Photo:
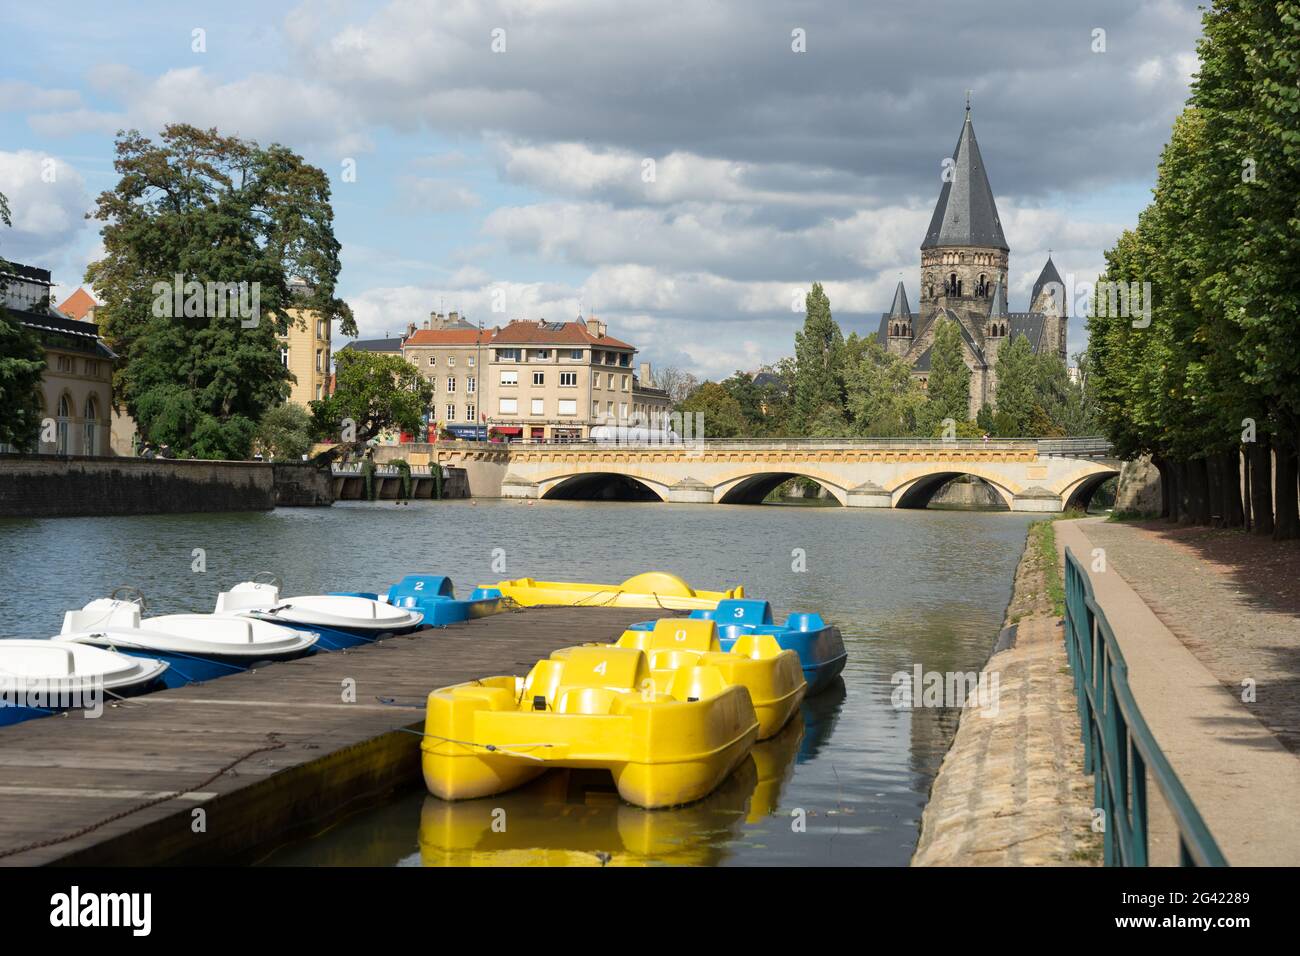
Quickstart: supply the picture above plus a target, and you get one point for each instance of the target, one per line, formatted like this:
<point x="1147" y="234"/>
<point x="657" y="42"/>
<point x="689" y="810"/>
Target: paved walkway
<point x="1011" y="790"/>
<point x="1234" y="767"/>
<point x="1240" y="625"/>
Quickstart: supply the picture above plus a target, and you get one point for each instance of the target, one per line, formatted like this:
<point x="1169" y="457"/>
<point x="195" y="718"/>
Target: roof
<point x="1028" y="324"/>
<point x="26" y="273"/>
<point x="469" y="335"/>
<point x="374" y="345"/>
<point x="554" y="333"/>
<point x="80" y="335"/>
<point x="79" y="304"/>
<point x="998" y="307"/>
<point x="922" y="364"/>
<point x="1049" y="275"/>
<point x="900" y="308"/>
<point x="966" y="214"/>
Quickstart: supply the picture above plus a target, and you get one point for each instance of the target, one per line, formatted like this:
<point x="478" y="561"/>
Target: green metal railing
<point x="1118" y="747"/>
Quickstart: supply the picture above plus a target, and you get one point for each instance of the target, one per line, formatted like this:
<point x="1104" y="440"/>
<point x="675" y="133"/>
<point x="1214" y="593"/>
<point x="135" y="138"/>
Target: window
<point x="610" y="358"/>
<point x="509" y="378"/>
<point x="433" y="360"/>
<point x="575" y="354"/>
<point x="539" y="406"/>
<point x="507" y="355"/>
<point x="568" y="406"/>
<point x="61" y="429"/>
<point x="595" y="409"/>
<point x="539" y="378"/>
<point x="470" y="384"/>
<point x="470" y="412"/>
<point x="90" y="428"/>
<point x="625" y="359"/>
<point x="542" y="355"/>
<point x="320" y="360"/>
<point x="611" y="382"/>
<point x="626" y="380"/>
<point x="470" y="361"/>
<point x="322" y="329"/>
<point x="609" y="409"/>
<point x="509" y="406"/>
<point x="595" y="380"/>
<point x="451" y="361"/>
<point x="451" y="383"/>
<point x="569" y="380"/>
<point x="284" y="359"/>
<point x="622" y="410"/>
<point x="320" y="389"/>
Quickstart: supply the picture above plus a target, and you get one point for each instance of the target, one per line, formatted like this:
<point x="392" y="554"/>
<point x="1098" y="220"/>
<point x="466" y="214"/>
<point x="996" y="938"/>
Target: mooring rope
<point x="171" y="795"/>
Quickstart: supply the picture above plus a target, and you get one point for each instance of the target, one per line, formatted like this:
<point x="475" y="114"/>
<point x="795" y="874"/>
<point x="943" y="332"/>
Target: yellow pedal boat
<point x="652" y="589"/>
<point x="665" y="742"/>
<point x="773" y="676"/>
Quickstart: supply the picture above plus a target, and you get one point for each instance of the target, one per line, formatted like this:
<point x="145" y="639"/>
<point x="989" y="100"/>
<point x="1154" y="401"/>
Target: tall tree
<point x="22" y="364"/>
<point x="1017" y="392"/>
<point x="373" y="393"/>
<point x="882" y="396"/>
<point x="817" y="348"/>
<point x="226" y="220"/>
<point x="948" y="386"/>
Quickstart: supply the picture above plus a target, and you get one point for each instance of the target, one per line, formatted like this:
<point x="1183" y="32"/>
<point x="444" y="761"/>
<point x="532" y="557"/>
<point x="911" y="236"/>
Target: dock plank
<point x="64" y="779"/>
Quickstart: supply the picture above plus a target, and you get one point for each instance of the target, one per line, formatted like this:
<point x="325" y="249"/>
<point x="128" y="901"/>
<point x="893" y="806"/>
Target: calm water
<point x="906" y="588"/>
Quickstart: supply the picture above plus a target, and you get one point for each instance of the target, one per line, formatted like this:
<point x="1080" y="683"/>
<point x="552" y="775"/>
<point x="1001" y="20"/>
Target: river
<point x="844" y="784"/>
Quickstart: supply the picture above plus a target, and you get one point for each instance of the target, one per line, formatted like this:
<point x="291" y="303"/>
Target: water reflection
<point x="575" y="818"/>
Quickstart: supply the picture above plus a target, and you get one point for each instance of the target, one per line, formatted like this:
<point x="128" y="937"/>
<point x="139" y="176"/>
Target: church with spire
<point x="964" y="260"/>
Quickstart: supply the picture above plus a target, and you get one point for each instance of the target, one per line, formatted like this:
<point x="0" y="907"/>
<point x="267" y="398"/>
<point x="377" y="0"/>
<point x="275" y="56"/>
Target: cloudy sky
<point x="676" y="168"/>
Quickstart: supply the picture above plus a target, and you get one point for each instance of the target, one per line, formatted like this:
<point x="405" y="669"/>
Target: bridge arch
<point x="1078" y="494"/>
<point x="751" y="489"/>
<point x="916" y="491"/>
<point x="601" y="486"/>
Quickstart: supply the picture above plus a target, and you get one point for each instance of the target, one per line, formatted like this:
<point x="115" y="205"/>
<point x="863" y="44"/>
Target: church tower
<point x="964" y="255"/>
<point x="1048" y="299"/>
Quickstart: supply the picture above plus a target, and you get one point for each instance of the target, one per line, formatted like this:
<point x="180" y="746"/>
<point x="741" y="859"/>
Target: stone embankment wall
<point x="49" y="486"/>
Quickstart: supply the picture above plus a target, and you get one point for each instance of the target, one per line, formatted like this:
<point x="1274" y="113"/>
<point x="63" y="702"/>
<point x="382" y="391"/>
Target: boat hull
<point x="654" y="589"/>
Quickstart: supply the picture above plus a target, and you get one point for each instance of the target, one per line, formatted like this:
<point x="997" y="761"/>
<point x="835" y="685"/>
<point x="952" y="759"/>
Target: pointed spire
<point x="966" y="214"/>
<point x="1048" y="277"/>
<point x="900" y="309"/>
<point x="998" y="308"/>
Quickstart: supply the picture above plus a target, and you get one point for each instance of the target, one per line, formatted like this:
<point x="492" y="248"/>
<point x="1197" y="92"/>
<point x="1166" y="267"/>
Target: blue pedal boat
<point x="434" y="596"/>
<point x="340" y="621"/>
<point x="819" y="645"/>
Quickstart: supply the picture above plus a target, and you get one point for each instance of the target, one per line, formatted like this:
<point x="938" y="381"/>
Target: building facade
<point x="77" y="386"/>
<point x="451" y="353"/>
<point x="305" y="352"/>
<point x="964" y="268"/>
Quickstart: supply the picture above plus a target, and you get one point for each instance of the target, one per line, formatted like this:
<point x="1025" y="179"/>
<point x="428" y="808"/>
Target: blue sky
<point x="523" y="170"/>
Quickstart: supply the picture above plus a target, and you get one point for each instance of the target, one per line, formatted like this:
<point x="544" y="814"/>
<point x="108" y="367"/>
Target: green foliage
<point x="882" y="397"/>
<point x="948" y="387"/>
<point x="22" y="363"/>
<point x="723" y="416"/>
<point x="210" y="209"/>
<point x="373" y="392"/>
<point x="817" y="350"/>
<point x="285" y="432"/>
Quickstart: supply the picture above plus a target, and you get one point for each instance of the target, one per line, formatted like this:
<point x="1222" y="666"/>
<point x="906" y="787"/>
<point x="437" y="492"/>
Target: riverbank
<point x="1011" y="790"/>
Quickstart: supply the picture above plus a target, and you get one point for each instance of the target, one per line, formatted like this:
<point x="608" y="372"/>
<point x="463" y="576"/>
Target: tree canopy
<point x="373" y="393"/>
<point x="203" y="238"/>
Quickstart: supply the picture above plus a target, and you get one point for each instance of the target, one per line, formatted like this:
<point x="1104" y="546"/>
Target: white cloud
<point x="48" y="202"/>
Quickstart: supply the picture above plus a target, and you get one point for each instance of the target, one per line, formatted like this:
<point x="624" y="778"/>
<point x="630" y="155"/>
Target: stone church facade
<point x="964" y="262"/>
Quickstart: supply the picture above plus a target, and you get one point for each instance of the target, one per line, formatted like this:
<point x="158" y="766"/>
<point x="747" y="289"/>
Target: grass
<point x="1131" y="516"/>
<point x="1043" y="535"/>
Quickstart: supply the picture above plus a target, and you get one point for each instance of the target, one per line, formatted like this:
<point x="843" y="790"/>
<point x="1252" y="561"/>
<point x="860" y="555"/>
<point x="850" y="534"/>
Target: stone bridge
<point x="1047" y="475"/>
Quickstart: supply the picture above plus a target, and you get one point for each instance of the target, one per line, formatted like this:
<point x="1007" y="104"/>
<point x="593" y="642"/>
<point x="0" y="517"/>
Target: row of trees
<point x="1208" y="380"/>
<point x="835" y="387"/>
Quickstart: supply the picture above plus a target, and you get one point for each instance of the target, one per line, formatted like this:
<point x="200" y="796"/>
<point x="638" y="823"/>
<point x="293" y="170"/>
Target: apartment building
<point x="555" y="381"/>
<point x="451" y="353"/>
<point x="305" y="352"/>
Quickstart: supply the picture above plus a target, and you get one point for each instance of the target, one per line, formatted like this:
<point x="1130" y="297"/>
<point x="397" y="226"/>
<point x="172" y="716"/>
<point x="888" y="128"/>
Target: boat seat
<point x="587" y="700"/>
<point x="756" y="646"/>
<point x="684" y="634"/>
<point x="696" y="683"/>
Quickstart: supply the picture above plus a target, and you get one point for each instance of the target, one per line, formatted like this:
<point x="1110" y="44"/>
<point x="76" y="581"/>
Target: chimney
<point x="596" y="327"/>
<point x="453" y="318"/>
<point x="643" y="372"/>
<point x="410" y="330"/>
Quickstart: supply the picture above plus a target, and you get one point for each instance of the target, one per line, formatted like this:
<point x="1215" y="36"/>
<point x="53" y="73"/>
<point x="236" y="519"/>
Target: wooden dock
<point x="265" y="755"/>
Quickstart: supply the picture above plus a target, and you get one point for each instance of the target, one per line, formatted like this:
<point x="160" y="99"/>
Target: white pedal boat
<point x="42" y="677"/>
<point x="199" y="647"/>
<point x="340" y="620"/>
